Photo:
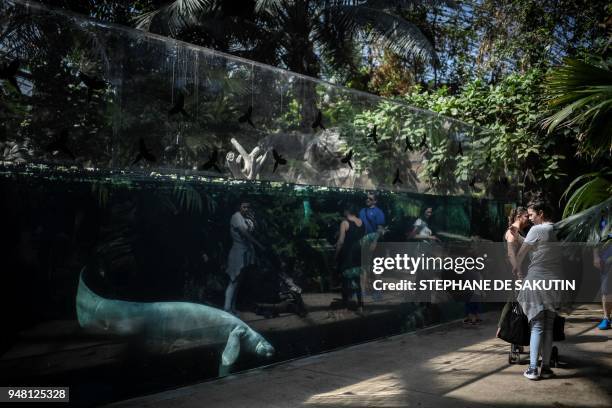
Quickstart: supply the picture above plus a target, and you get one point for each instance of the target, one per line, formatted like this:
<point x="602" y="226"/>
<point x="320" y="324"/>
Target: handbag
<point x="559" y="328"/>
<point x="515" y="327"/>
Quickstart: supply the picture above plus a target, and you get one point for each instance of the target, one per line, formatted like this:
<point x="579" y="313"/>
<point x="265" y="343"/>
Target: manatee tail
<point x="86" y="303"/>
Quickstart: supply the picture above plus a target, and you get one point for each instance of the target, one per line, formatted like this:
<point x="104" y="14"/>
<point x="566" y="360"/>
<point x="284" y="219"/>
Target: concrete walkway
<point x="445" y="366"/>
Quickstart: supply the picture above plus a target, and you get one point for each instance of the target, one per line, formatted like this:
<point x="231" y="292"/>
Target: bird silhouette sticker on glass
<point x="143" y="153"/>
<point x="212" y="162"/>
<point x="278" y="160"/>
<point x="179" y="107"/>
<point x="247" y="117"/>
<point x="373" y="135"/>
<point x="318" y="123"/>
<point x="423" y="144"/>
<point x="347" y="158"/>
<point x="396" y="178"/>
<point x="408" y="145"/>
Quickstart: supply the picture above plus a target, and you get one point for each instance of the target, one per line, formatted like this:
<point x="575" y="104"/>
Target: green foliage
<point x="510" y="110"/>
<point x="292" y="116"/>
<point x="188" y="198"/>
<point x="585" y="226"/>
<point x="580" y="94"/>
<point x="597" y="188"/>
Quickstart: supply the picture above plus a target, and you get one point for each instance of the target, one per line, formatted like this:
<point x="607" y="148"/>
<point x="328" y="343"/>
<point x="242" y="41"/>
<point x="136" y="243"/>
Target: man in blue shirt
<point x="372" y="217"/>
<point x="374" y="220"/>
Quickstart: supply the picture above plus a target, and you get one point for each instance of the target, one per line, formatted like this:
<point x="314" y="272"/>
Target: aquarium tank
<point x="171" y="213"/>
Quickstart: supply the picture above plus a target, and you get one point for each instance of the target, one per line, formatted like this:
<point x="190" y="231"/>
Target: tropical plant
<point x="11" y="151"/>
<point x="580" y="93"/>
<point x="294" y="30"/>
<point x="597" y="188"/>
<point x="585" y="226"/>
<point x="512" y="146"/>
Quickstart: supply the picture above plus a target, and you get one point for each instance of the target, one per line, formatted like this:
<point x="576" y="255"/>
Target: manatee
<point x="169" y="322"/>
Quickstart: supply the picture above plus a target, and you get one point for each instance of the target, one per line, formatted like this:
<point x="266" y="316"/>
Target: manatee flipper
<point x="232" y="348"/>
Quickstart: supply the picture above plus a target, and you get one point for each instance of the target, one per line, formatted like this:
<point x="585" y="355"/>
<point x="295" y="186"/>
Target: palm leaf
<point x="593" y="192"/>
<point x="177" y="15"/>
<point x="581" y="94"/>
<point x="390" y="31"/>
<point x="585" y="225"/>
<point x="267" y="6"/>
<point x="188" y="198"/>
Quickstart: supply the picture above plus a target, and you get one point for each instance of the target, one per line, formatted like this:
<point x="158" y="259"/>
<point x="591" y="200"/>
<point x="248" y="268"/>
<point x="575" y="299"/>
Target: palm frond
<point x="581" y="95"/>
<point x="594" y="191"/>
<point x="267" y="5"/>
<point x="395" y="4"/>
<point x="585" y="226"/>
<point x="177" y="15"/>
<point x="188" y="198"/>
<point x="390" y="31"/>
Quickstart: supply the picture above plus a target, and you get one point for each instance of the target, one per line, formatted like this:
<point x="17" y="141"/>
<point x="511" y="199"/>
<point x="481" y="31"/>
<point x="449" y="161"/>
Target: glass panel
<point x="126" y="158"/>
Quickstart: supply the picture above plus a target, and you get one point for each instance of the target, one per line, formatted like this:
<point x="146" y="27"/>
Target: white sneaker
<point x="532" y="373"/>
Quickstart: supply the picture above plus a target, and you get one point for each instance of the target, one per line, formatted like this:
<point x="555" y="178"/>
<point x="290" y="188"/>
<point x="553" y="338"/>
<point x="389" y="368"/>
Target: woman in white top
<point x="539" y="305"/>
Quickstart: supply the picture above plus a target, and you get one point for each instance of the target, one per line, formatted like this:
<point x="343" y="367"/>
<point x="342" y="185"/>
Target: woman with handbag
<point x="539" y="305"/>
<point x="518" y="221"/>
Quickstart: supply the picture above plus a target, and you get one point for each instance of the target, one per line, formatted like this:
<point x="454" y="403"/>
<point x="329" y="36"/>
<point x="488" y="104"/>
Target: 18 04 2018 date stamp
<point x="34" y="394"/>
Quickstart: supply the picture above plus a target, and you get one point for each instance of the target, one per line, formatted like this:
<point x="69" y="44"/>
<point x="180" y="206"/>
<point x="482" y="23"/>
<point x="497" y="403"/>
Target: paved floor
<point x="445" y="366"/>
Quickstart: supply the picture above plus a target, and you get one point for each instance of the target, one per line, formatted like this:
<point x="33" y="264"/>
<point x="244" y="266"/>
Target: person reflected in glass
<point x="242" y="253"/>
<point x="421" y="229"/>
<point x="540" y="306"/>
<point x="372" y="217"/>
<point x="374" y="220"/>
<point x="348" y="255"/>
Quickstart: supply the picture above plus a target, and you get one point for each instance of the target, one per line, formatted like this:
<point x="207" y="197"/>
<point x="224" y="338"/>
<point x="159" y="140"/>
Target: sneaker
<point x="547" y="372"/>
<point x="605" y="324"/>
<point x="532" y="373"/>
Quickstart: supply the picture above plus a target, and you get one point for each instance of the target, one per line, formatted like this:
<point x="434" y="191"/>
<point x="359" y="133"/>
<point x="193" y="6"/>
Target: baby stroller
<point x="515" y="330"/>
<point x="271" y="291"/>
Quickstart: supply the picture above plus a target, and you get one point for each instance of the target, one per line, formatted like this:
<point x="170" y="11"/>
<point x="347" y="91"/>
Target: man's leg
<point x="606" y="297"/>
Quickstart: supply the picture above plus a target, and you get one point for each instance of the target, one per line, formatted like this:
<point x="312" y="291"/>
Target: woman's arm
<point x="510" y="244"/>
<point x="520" y="257"/>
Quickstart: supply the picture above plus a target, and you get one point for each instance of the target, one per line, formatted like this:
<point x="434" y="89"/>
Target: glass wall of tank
<point x="126" y="157"/>
<point x="94" y="96"/>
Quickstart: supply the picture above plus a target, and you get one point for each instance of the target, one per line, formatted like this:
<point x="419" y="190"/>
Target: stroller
<point x="289" y="300"/>
<point x="515" y="330"/>
<point x="514" y="356"/>
<point x="270" y="291"/>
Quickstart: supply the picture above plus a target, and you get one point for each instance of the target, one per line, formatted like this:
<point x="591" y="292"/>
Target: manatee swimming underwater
<point x="168" y="322"/>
